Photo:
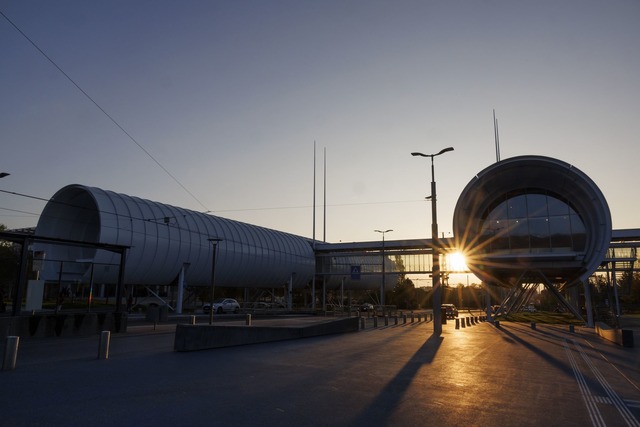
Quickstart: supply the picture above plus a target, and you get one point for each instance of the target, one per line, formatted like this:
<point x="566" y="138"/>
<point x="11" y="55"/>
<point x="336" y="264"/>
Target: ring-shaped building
<point x="529" y="217"/>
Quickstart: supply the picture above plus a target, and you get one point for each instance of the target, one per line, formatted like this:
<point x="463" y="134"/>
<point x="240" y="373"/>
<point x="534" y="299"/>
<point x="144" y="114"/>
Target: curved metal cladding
<point x="532" y="215"/>
<point x="162" y="238"/>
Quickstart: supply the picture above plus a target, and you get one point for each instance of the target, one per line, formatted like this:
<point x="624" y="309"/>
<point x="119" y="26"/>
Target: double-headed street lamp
<point x="383" y="272"/>
<point x="437" y="290"/>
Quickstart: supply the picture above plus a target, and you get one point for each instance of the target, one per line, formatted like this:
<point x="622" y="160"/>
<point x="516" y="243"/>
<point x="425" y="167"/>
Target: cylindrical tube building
<point x="161" y="239"/>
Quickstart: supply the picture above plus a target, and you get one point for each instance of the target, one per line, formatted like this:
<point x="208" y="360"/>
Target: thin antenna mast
<point x="496" y="136"/>
<point x="324" y="225"/>
<point x="314" y="194"/>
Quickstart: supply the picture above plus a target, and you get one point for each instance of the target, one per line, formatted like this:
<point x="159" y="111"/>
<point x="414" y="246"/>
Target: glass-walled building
<point x="532" y="218"/>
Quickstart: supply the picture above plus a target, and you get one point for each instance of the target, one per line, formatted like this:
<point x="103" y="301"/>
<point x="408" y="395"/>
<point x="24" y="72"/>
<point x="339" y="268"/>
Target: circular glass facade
<point x="532" y="222"/>
<point x="532" y="218"/>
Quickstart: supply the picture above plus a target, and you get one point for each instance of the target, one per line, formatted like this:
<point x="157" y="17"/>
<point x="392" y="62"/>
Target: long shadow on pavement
<point x="395" y="390"/>
<point x="551" y="359"/>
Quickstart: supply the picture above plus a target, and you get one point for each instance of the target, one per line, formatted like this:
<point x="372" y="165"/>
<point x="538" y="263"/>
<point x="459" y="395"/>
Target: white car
<point x="222" y="305"/>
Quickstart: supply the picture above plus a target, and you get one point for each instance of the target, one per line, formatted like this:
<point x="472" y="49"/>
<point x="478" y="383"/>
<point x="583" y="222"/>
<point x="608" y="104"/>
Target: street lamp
<point x="437" y="290"/>
<point x="383" y="273"/>
<point x="3" y="174"/>
<point x="215" y="242"/>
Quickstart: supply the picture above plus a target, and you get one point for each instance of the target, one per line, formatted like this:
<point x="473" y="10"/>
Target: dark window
<point x="534" y="222"/>
<point x="517" y="207"/>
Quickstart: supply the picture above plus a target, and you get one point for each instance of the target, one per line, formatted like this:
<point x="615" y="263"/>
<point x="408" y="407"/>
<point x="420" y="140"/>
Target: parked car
<point x="222" y="305"/>
<point x="451" y="310"/>
<point x="366" y="307"/>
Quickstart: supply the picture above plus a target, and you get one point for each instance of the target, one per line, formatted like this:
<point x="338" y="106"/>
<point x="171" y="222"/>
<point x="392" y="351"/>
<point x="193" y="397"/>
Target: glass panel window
<point x="560" y="232"/>
<point x="578" y="232"/>
<point x="534" y="222"/>
<point x="517" y="207"/>
<point x="557" y="207"/>
<point x="519" y="235"/>
<point x="539" y="234"/>
<point x="537" y="205"/>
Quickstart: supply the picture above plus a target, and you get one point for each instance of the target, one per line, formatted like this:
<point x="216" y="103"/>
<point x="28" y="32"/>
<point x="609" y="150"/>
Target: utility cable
<point x="103" y="111"/>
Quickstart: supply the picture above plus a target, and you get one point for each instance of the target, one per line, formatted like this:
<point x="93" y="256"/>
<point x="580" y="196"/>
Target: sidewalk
<point x="399" y="375"/>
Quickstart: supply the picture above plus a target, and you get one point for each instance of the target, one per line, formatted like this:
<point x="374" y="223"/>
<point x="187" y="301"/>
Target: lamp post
<point x="3" y="174"/>
<point x="437" y="290"/>
<point x="214" y="242"/>
<point x="383" y="272"/>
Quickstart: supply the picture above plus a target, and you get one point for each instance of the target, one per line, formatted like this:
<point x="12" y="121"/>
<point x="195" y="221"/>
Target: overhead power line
<point x="114" y="121"/>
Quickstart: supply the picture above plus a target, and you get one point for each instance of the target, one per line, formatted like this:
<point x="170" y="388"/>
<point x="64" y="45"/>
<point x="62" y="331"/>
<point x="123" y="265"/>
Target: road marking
<point x="613" y="366"/>
<point x="589" y="401"/>
<point x="620" y="405"/>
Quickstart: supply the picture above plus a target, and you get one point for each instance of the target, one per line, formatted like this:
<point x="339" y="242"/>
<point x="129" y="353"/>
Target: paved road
<point x="388" y="376"/>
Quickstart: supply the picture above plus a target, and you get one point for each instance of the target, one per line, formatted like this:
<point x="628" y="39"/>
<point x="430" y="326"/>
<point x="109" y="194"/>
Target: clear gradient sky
<point x="229" y="97"/>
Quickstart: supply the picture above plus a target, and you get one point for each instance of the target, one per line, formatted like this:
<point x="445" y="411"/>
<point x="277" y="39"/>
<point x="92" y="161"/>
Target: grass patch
<point x="542" y="317"/>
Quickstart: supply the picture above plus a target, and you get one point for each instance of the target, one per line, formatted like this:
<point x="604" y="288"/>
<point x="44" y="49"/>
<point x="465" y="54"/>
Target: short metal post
<point x="192" y="320"/>
<point x="533" y="325"/>
<point x="375" y="322"/>
<point x="462" y="322"/>
<point x="103" y="347"/>
<point x="396" y="319"/>
<point x="571" y="328"/>
<point x="404" y="318"/>
<point x="248" y="319"/>
<point x="362" y="322"/>
<point x="10" y="353"/>
<point x="457" y="323"/>
<point x="412" y="318"/>
<point x="386" y="320"/>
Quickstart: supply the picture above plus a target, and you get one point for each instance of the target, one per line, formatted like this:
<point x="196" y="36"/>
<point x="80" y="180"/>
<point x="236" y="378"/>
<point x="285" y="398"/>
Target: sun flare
<point x="456" y="262"/>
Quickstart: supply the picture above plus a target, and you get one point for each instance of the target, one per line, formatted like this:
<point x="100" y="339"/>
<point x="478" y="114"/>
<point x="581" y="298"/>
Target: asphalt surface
<point x="398" y="375"/>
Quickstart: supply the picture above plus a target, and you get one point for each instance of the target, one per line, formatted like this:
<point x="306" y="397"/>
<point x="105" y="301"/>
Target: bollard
<point x="457" y="323"/>
<point x="496" y="323"/>
<point x="571" y="329"/>
<point x="362" y="322"/>
<point x="412" y="318"/>
<point x="396" y="319"/>
<point x="404" y="318"/>
<point x="103" y="346"/>
<point x="462" y="322"/>
<point x="533" y="325"/>
<point x="192" y="320"/>
<point x="10" y="353"/>
<point x="248" y="319"/>
<point x="386" y="320"/>
<point x="375" y="322"/>
<point x="468" y="321"/>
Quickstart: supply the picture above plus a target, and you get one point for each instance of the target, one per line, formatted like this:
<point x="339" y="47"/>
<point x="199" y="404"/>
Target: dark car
<point x="451" y="310"/>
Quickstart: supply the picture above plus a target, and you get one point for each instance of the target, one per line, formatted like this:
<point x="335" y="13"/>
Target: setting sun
<point x="456" y="262"/>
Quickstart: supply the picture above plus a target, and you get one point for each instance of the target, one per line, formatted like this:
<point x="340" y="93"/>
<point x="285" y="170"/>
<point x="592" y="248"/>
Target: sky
<point x="223" y="102"/>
